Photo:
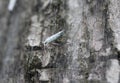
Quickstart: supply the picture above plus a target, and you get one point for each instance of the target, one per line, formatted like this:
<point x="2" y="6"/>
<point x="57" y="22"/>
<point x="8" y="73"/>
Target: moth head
<point x="45" y="43"/>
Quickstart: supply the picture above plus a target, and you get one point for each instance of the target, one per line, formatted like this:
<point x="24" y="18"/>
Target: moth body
<point x="11" y="5"/>
<point x="53" y="37"/>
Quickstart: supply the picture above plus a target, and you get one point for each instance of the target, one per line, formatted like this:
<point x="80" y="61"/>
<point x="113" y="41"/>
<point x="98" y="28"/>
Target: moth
<point x="11" y="5"/>
<point x="53" y="37"/>
<point x="47" y="41"/>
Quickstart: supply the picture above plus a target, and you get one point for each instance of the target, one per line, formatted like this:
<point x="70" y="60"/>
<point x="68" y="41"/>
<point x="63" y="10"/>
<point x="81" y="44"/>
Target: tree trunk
<point x="87" y="52"/>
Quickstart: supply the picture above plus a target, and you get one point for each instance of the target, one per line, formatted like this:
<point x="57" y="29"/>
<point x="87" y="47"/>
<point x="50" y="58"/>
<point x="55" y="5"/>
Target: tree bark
<point x="87" y="52"/>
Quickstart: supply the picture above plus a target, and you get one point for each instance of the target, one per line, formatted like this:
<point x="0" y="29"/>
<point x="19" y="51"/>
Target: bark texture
<point x="87" y="52"/>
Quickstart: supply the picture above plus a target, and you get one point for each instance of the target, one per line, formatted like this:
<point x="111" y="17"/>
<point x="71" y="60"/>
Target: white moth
<point x="53" y="37"/>
<point x="11" y="5"/>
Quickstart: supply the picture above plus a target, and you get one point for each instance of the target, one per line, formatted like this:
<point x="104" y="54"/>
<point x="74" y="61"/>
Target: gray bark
<point x="87" y="52"/>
